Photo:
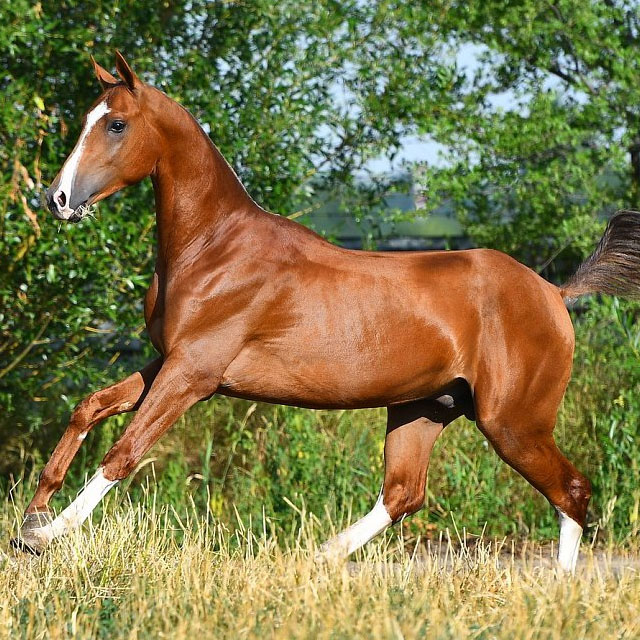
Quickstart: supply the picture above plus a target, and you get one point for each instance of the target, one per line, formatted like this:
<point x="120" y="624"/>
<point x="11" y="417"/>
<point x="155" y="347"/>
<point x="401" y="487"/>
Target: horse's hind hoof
<point x="32" y="537"/>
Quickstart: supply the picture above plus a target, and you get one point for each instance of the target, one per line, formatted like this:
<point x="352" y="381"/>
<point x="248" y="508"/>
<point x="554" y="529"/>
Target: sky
<point x="422" y="149"/>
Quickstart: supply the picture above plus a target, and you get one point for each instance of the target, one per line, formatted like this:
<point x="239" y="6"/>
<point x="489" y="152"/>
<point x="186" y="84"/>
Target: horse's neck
<point x="196" y="191"/>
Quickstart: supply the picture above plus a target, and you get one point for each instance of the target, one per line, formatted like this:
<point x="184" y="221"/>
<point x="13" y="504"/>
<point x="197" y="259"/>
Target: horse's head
<point x="116" y="147"/>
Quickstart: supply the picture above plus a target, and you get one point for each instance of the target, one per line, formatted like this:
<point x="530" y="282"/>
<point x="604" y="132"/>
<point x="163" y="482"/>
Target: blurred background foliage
<point x="539" y="140"/>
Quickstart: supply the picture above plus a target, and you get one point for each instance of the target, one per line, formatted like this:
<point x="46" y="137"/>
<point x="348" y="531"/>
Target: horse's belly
<point x="305" y="376"/>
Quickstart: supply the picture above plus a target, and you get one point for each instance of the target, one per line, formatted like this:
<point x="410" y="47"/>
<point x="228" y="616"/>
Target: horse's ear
<point x="126" y="72"/>
<point x="104" y="77"/>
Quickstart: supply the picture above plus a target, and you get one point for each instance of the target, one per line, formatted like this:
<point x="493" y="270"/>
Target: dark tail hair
<point x="614" y="267"/>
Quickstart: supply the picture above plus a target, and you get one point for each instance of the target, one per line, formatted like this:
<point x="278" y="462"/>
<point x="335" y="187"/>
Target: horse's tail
<point x="614" y="267"/>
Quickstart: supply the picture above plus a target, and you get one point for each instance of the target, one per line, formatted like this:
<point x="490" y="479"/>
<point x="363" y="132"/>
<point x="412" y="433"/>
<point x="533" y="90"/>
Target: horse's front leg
<point x="124" y="396"/>
<point x="176" y="387"/>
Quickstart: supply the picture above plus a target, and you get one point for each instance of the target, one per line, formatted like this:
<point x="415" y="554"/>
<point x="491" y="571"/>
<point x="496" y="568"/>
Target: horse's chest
<point x="154" y="314"/>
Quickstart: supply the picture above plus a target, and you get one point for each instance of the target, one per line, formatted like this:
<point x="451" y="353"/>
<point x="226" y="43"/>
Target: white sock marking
<point x="359" y="533"/>
<point x="71" y="165"/>
<point x="80" y="509"/>
<point x="570" y="535"/>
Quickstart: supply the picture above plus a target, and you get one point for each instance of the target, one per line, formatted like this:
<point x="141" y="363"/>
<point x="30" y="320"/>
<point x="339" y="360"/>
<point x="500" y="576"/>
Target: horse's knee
<point x="402" y="500"/>
<point x="85" y="412"/>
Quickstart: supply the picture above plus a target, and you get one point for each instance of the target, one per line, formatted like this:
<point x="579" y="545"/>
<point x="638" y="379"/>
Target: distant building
<point x="399" y="223"/>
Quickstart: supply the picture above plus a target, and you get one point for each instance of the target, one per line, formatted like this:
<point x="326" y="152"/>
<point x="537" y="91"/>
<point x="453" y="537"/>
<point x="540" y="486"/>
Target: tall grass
<point x="145" y="571"/>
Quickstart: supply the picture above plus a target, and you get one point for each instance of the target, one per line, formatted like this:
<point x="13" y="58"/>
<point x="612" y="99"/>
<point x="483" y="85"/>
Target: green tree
<point x="547" y="134"/>
<point x="297" y="96"/>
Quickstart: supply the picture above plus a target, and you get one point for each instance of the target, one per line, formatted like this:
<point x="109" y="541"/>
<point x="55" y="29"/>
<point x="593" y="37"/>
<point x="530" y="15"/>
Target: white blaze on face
<point x="71" y="165"/>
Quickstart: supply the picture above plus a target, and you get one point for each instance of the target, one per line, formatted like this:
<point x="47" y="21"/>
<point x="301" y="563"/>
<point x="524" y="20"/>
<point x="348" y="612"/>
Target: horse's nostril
<point x="61" y="199"/>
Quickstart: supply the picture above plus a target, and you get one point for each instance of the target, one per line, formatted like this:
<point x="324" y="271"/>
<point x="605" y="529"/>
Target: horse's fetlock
<point x="401" y="501"/>
<point x="120" y="461"/>
<point x="49" y="481"/>
<point x="580" y="491"/>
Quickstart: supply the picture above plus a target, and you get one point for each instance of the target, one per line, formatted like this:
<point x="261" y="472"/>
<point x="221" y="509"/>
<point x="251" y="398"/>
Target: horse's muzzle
<point x="57" y="202"/>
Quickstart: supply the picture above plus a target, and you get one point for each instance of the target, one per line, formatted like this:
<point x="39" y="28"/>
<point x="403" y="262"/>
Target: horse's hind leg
<point x="412" y="430"/>
<point x="523" y="438"/>
<point x="121" y="397"/>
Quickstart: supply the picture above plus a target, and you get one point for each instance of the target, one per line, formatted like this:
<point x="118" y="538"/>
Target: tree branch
<point x="23" y="354"/>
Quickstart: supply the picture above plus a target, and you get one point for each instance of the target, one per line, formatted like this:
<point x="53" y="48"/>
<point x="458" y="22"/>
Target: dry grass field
<point x="143" y="572"/>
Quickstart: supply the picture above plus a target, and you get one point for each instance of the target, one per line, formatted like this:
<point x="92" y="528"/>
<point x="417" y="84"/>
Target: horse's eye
<point x="117" y="126"/>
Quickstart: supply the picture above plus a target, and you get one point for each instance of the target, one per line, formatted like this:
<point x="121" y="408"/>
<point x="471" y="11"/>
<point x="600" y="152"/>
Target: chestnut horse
<point x="252" y="305"/>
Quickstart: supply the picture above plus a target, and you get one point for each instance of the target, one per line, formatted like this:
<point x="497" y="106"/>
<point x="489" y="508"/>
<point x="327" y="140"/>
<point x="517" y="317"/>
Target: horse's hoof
<point x="329" y="555"/>
<point x="32" y="537"/>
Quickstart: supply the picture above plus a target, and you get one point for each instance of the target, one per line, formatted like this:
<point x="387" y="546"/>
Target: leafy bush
<point x="262" y="80"/>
